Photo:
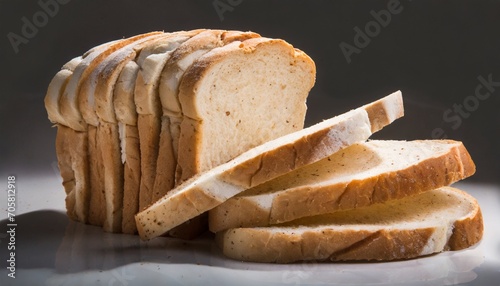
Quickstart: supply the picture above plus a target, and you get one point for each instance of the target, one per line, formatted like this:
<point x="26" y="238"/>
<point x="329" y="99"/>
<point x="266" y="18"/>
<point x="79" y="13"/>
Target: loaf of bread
<point x="109" y="109"/>
<point x="172" y="133"/>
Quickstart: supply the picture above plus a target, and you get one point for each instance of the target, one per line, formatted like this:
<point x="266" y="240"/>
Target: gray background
<point x="433" y="51"/>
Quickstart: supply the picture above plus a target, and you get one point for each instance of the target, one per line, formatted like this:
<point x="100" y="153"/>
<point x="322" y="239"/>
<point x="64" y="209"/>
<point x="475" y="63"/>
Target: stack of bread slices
<point x="174" y="133"/>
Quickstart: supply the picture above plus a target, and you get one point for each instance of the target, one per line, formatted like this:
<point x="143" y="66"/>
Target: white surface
<point x="51" y="250"/>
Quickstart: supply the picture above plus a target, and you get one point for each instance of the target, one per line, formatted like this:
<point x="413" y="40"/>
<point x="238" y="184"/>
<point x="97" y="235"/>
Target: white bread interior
<point x="221" y="92"/>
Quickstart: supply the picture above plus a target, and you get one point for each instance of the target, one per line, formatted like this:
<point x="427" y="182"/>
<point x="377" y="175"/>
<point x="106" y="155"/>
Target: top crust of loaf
<point x="123" y="98"/>
<point x="399" y="229"/>
<point x="54" y="92"/>
<point x="96" y="97"/>
<point x="183" y="57"/>
<point x="152" y="60"/>
<point x="69" y="103"/>
<point x="201" y="69"/>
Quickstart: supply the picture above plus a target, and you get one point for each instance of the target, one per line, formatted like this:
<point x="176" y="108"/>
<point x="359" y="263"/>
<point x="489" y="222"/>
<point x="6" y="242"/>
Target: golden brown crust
<point x="165" y="166"/>
<point x="85" y="84"/>
<point x="469" y="230"/>
<point x="337" y="242"/>
<point x="309" y="200"/>
<point x="149" y="135"/>
<point x="132" y="175"/>
<point x="71" y="149"/>
<point x="97" y="207"/>
<point x="153" y="223"/>
<point x="107" y="136"/>
<point x="382" y="115"/>
<point x="65" y="168"/>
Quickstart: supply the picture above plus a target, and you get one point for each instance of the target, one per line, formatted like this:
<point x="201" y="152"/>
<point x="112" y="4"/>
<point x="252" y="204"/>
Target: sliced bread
<point x="106" y="75"/>
<point x="362" y="174"/>
<point x="228" y="94"/>
<point x="126" y="116"/>
<point x="71" y="116"/>
<point x="136" y="90"/>
<point x="71" y="161"/>
<point x="263" y="163"/>
<point x="434" y="221"/>
<point x="146" y="96"/>
<point x="181" y="59"/>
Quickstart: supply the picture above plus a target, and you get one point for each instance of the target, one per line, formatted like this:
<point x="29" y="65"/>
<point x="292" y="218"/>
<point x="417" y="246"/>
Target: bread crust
<point x="335" y="242"/>
<point x="320" y="198"/>
<point x="55" y="91"/>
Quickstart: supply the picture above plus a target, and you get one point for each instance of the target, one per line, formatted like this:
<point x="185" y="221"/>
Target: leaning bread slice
<point x="435" y="221"/>
<point x="265" y="162"/>
<point x="362" y="174"/>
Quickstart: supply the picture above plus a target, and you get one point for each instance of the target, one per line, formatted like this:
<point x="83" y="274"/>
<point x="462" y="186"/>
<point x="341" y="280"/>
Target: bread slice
<point x="101" y="151"/>
<point x="56" y="89"/>
<point x="181" y="59"/>
<point x="228" y="95"/>
<point x="68" y="153"/>
<point x="126" y="116"/>
<point x="360" y="175"/>
<point x="127" y="100"/>
<point x="151" y="62"/>
<point x="434" y="221"/>
<point x="263" y="163"/>
<point x="97" y="102"/>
